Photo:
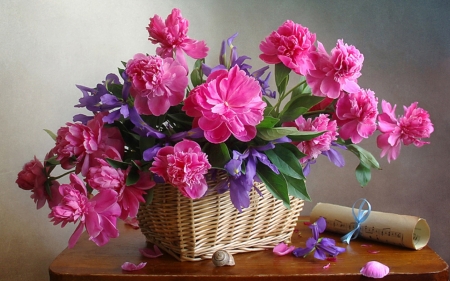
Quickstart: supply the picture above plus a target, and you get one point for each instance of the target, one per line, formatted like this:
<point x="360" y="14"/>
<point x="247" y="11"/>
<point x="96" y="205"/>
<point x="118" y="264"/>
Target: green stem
<point x="283" y="96"/>
<point x="60" y="176"/>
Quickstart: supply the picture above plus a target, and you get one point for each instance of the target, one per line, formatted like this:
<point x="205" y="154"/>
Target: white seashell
<point x="375" y="269"/>
<point x="222" y="258"/>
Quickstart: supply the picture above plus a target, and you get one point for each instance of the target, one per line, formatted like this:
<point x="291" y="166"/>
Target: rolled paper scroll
<point x="402" y="230"/>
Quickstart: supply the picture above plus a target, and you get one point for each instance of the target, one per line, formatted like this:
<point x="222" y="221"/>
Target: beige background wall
<point x="49" y="46"/>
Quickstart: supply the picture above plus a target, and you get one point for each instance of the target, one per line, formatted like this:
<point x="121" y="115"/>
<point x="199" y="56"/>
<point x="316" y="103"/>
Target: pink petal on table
<point x="149" y="253"/>
<point x="366" y="245"/>
<point x="373" y="252"/>
<point x="128" y="266"/>
<point x="133" y="222"/>
<point x="326" y="266"/>
<point x="374" y="269"/>
<point x="331" y="259"/>
<point x="282" y="249"/>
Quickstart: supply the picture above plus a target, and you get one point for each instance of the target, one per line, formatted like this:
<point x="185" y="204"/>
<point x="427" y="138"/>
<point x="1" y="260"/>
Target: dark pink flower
<point x="102" y="176"/>
<point x="335" y="73"/>
<point x="409" y="129"/>
<point x="313" y="148"/>
<point x="171" y="35"/>
<point x="292" y="44"/>
<point x="356" y="115"/>
<point x="230" y="102"/>
<point x="78" y="145"/>
<point x="184" y="166"/>
<point x="98" y="214"/>
<point x="33" y="177"/>
<point x="157" y="83"/>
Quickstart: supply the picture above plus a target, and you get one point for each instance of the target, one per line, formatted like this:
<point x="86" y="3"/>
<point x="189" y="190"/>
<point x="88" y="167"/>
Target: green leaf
<point x="364" y="156"/>
<point x="286" y="162"/>
<point x="363" y="174"/>
<point x="298" y="105"/>
<point x="281" y="77"/>
<point x="218" y="154"/>
<point x="148" y="196"/>
<point x="268" y="122"/>
<point x="196" y="77"/>
<point x="51" y="134"/>
<point x="117" y="164"/>
<point x="133" y="176"/>
<point x="297" y="188"/>
<point x="294" y="149"/>
<point x="276" y="184"/>
<point x="270" y="134"/>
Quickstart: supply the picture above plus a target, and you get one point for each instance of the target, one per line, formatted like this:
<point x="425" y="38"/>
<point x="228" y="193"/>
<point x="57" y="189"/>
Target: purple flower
<point x="323" y="246"/>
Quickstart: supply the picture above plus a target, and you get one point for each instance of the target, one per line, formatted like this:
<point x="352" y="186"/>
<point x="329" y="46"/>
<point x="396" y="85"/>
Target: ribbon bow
<point x="359" y="219"/>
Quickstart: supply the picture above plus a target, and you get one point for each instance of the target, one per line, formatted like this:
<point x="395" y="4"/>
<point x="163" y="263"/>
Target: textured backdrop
<point x="49" y="46"/>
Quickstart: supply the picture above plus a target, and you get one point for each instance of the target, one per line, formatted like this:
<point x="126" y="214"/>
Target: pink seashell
<point x="375" y="269"/>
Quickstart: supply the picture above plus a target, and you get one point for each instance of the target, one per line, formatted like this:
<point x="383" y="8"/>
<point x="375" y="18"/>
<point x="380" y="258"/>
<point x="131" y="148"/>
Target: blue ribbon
<point x="359" y="219"/>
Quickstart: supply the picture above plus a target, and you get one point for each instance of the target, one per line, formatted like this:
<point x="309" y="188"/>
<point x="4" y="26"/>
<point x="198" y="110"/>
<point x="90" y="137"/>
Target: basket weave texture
<point x="192" y="230"/>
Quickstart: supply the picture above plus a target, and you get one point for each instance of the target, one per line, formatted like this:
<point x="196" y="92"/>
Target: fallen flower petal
<point x="366" y="245"/>
<point x="282" y="249"/>
<point x="326" y="266"/>
<point x="133" y="222"/>
<point x="373" y="252"/>
<point x="128" y="266"/>
<point x="331" y="259"/>
<point x="149" y="253"/>
<point x="374" y="269"/>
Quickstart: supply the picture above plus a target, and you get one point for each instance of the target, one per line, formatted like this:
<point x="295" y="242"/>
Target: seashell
<point x="222" y="258"/>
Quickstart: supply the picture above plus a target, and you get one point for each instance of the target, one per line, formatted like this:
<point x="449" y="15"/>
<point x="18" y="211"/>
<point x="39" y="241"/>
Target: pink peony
<point x="409" y="129"/>
<point x="356" y="115"/>
<point x="183" y="166"/>
<point x="102" y="176"/>
<point x="292" y="44"/>
<point x="172" y="37"/>
<point x="157" y="83"/>
<point x="313" y="148"/>
<point x="230" y="102"/>
<point x="33" y="177"/>
<point x="78" y="145"/>
<point x="98" y="214"/>
<point x="335" y="73"/>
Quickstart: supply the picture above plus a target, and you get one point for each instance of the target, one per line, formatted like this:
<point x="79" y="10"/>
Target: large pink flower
<point x="172" y="37"/>
<point x="102" y="176"/>
<point x="33" y="177"/>
<point x="335" y="73"/>
<point x="292" y="44"/>
<point x="157" y="83"/>
<point x="184" y="166"/>
<point x="356" y="115"/>
<point x="230" y="102"/>
<point x="78" y="144"/>
<point x="313" y="148"/>
<point x="409" y="129"/>
<point x="98" y="214"/>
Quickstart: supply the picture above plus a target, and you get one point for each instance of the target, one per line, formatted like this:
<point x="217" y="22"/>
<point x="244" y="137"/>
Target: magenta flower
<point x="335" y="73"/>
<point x="409" y="129"/>
<point x="230" y="102"/>
<point x="78" y="145"/>
<point x="292" y="44"/>
<point x="157" y="83"/>
<point x="102" y="176"/>
<point x="184" y="166"/>
<point x="356" y="115"/>
<point x="313" y="148"/>
<point x="171" y="35"/>
<point x="33" y="177"/>
<point x="98" y="214"/>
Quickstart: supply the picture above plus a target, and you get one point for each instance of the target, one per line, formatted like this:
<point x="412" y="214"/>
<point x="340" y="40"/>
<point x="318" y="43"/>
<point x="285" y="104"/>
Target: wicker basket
<point x="192" y="230"/>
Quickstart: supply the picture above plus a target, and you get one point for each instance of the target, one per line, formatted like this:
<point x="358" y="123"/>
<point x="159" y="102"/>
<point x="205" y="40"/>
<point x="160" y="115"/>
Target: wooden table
<point x="86" y="261"/>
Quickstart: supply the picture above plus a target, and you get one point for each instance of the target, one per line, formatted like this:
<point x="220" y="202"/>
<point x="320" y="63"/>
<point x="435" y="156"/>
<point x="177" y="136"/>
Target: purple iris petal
<point x="301" y="252"/>
<point x="150" y="153"/>
<point x="239" y="191"/>
<point x="335" y="157"/>
<point x="82" y="118"/>
<point x="327" y="246"/>
<point x="143" y="128"/>
<point x="191" y="134"/>
<point x="233" y="167"/>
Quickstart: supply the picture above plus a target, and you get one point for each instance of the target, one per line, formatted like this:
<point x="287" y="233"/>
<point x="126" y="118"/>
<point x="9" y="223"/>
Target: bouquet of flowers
<point x="157" y="121"/>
